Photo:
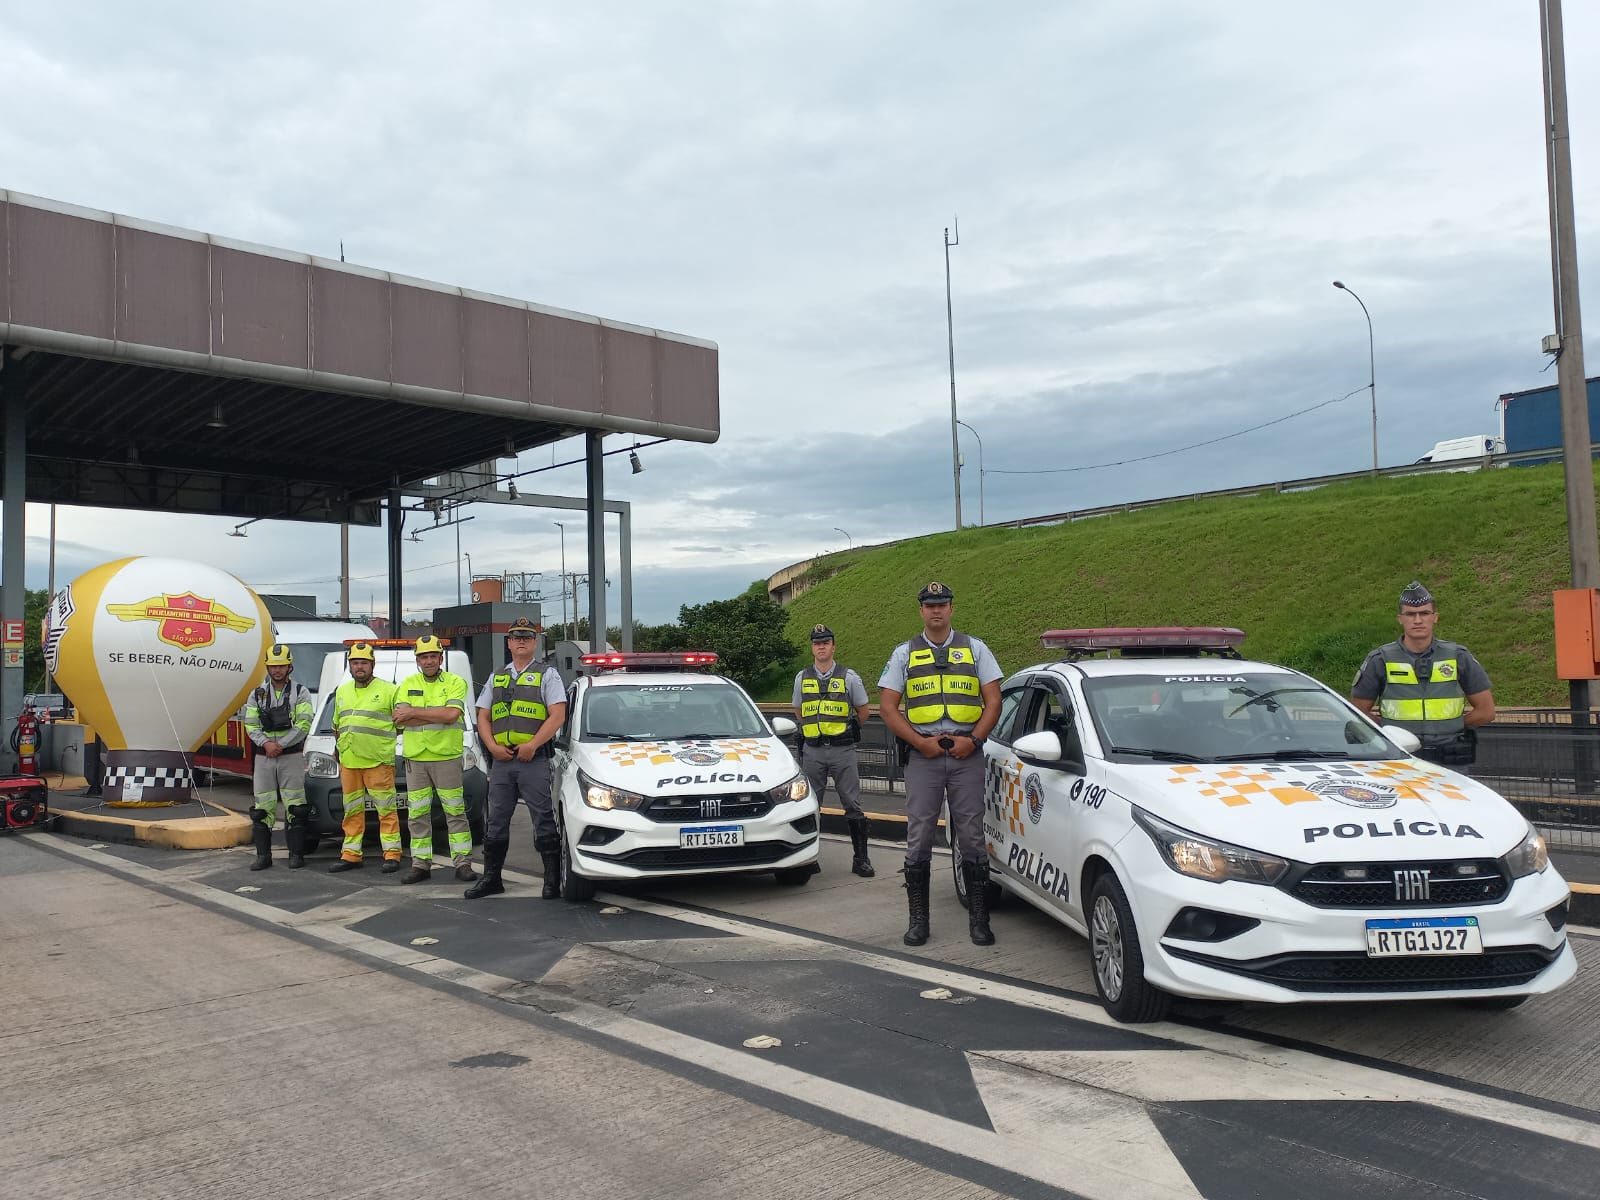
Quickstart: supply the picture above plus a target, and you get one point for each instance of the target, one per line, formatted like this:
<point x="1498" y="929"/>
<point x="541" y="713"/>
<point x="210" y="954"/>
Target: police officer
<point x="951" y="686"/>
<point x="428" y="710"/>
<point x="1436" y="690"/>
<point x="363" y="725"/>
<point x="831" y="702"/>
<point x="277" y="719"/>
<point x="520" y="709"/>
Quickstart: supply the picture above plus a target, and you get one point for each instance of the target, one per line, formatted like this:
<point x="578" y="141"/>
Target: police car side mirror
<point x="782" y="726"/>
<point x="1404" y="738"/>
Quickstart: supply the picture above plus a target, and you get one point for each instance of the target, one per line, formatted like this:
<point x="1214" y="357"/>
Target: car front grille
<point x="1355" y="972"/>
<point x="1373" y="885"/>
<point x="740" y="806"/>
<point x="702" y="858"/>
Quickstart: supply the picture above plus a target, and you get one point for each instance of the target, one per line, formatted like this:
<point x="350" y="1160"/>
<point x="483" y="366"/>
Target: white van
<point x="1476" y="446"/>
<point x="393" y="661"/>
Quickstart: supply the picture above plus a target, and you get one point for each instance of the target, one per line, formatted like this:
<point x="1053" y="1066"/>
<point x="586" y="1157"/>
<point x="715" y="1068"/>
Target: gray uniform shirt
<point x="550" y="686"/>
<point x="894" y="676"/>
<point x="855" y="692"/>
<point x="1370" y="679"/>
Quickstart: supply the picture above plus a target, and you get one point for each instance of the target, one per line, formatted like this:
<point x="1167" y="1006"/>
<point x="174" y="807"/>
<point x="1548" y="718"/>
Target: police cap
<point x="821" y="633"/>
<point x="1415" y="596"/>
<point x="522" y="627"/>
<point x="935" y="593"/>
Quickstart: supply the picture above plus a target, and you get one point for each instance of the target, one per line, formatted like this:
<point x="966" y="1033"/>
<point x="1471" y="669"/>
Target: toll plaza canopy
<point x="157" y="368"/>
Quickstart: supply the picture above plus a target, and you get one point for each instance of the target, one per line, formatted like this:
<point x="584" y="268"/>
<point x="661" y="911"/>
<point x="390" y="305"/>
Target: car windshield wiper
<point x="613" y="737"/>
<point x="1267" y="698"/>
<point x="1283" y="755"/>
<point x="1164" y="755"/>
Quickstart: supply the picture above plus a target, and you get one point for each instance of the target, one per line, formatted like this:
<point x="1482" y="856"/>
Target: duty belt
<point x="837" y="739"/>
<point x="272" y="737"/>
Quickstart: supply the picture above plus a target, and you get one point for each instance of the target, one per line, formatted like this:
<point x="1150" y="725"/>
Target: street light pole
<point x="563" y="529"/>
<point x="974" y="433"/>
<point x="1372" y="373"/>
<point x="848" y="543"/>
<point x="950" y="331"/>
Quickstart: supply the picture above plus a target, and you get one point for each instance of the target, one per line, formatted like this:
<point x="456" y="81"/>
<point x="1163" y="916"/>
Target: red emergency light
<point x="388" y="643"/>
<point x="640" y="660"/>
<point x="1146" y="640"/>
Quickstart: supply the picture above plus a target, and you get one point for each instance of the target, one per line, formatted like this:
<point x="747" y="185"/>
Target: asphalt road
<point x="179" y="1026"/>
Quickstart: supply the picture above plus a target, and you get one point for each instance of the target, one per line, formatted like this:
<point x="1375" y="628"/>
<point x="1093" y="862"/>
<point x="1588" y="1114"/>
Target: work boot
<point x="344" y="864"/>
<point x="417" y="874"/>
<point x="390" y="866"/>
<point x="862" y="865"/>
<point x="261" y="835"/>
<point x="977" y="878"/>
<point x="917" y="902"/>
<point x="552" y="875"/>
<point x="295" y="835"/>
<point x="494" y="857"/>
<point x="465" y="873"/>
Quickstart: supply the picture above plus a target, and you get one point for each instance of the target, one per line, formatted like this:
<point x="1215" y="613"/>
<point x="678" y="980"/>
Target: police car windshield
<point x="663" y="712"/>
<point x="1227" y="717"/>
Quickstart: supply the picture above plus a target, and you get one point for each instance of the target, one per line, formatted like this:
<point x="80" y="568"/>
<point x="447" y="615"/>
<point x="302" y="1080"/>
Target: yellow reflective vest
<point x="363" y="720"/>
<point x="433" y="743"/>
<point x="824" y="704"/>
<point x="516" y="706"/>
<point x="942" y="682"/>
<point x="1432" y="708"/>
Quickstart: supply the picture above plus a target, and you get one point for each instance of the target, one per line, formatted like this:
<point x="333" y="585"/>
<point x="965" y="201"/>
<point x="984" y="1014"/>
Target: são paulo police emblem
<point x="1356" y="795"/>
<point x="1034" y="794"/>
<point x="698" y="755"/>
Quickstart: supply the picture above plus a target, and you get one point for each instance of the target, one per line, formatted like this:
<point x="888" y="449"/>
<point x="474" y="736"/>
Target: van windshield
<point x="308" y="658"/>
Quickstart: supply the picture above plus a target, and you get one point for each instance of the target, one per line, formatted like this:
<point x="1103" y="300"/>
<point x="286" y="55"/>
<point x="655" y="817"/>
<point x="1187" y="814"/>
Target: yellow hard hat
<point x="280" y="656"/>
<point x="428" y="644"/>
<point x="362" y="650"/>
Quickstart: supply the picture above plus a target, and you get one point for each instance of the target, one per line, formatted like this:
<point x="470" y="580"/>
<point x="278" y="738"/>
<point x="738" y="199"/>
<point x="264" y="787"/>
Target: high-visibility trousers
<point x="361" y="784"/>
<point x="441" y="779"/>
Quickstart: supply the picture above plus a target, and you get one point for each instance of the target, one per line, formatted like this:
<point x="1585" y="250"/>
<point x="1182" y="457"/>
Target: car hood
<point x="693" y="766"/>
<point x="1329" y="811"/>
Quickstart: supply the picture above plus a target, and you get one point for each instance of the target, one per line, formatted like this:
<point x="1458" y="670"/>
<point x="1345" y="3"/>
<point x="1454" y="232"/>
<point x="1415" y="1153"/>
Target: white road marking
<point x="1101" y="1091"/>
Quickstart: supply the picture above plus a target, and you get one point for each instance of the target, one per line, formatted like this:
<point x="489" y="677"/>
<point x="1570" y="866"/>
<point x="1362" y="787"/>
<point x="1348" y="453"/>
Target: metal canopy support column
<point x="396" y="517"/>
<point x="595" y="489"/>
<point x="13" y="542"/>
<point x="625" y="553"/>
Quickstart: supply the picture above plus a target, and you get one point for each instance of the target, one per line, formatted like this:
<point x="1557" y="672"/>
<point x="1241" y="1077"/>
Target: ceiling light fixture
<point x="633" y="461"/>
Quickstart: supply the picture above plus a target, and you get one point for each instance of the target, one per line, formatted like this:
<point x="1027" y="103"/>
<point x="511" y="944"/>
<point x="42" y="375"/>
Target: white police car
<point x="1233" y="830"/>
<point x="662" y="770"/>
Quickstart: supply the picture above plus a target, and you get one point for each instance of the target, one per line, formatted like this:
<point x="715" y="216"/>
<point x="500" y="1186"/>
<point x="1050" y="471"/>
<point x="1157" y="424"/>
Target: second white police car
<point x="1233" y="830"/>
<point x="662" y="770"/>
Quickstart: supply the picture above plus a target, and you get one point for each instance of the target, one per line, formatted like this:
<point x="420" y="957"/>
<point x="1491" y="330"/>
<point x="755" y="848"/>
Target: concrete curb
<point x="184" y="833"/>
<point x="1585" y="908"/>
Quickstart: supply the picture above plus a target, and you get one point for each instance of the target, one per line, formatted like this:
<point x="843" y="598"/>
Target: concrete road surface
<point x="180" y="1026"/>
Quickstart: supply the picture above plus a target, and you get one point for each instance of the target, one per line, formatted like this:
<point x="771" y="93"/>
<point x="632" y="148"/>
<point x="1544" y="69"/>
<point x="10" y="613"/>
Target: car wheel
<point x="994" y="890"/>
<point x="1118" y="961"/>
<point x="1494" y="1003"/>
<point x="794" y="876"/>
<point x="574" y="887"/>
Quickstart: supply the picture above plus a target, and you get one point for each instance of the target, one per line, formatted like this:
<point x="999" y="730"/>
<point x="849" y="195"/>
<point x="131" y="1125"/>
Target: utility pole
<point x="1583" y="544"/>
<point x="950" y="330"/>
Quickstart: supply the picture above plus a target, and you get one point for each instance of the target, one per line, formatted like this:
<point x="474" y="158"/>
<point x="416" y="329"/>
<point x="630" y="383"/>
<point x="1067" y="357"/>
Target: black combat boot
<point x="550" y="855"/>
<point x="295" y="835"/>
<point x="977" y="877"/>
<point x="261" y="835"/>
<point x="917" y="901"/>
<point x="494" y="857"/>
<point x="862" y="865"/>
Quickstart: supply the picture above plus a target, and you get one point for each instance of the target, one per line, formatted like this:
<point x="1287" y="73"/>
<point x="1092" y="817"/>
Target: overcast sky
<point x="1154" y="197"/>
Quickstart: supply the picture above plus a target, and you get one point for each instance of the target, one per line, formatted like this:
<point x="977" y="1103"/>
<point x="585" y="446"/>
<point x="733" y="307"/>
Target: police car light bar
<point x="388" y="643"/>
<point x="641" y="659"/>
<point x="1198" y="639"/>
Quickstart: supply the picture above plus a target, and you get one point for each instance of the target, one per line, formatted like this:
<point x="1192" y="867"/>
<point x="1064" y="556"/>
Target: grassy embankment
<point x="1311" y="577"/>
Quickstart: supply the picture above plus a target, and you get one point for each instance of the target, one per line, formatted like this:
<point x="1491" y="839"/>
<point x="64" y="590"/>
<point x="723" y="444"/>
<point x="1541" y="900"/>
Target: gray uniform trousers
<point x="929" y="783"/>
<point x="526" y="781"/>
<point x="839" y="761"/>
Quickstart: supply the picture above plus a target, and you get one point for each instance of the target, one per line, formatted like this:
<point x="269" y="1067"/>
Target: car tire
<point x="1117" y="959"/>
<point x="794" y="876"/>
<point x="574" y="887"/>
<point x="996" y="892"/>
<point x="1494" y="1003"/>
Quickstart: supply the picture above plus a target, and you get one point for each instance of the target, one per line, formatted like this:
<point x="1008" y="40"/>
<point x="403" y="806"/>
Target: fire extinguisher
<point x="27" y="743"/>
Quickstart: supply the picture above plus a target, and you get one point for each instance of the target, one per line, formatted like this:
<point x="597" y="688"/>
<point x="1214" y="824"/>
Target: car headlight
<point x="322" y="766"/>
<point x="1206" y="858"/>
<point x="605" y="797"/>
<point x="1530" y="857"/>
<point x="796" y="789"/>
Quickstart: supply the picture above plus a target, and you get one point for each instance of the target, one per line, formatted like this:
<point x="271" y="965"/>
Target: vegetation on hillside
<point x="1311" y="577"/>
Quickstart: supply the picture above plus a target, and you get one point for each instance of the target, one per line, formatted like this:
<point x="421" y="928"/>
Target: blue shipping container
<point x="1531" y="420"/>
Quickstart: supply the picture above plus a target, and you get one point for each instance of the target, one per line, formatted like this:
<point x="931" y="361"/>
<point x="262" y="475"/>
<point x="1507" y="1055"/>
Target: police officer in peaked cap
<point x="831" y="702"/>
<point x="949" y="683"/>
<point x="1435" y="689"/>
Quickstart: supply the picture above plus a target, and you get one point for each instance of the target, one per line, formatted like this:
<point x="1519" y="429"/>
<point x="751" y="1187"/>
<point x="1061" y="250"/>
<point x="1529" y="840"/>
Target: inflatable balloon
<point x="155" y="653"/>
